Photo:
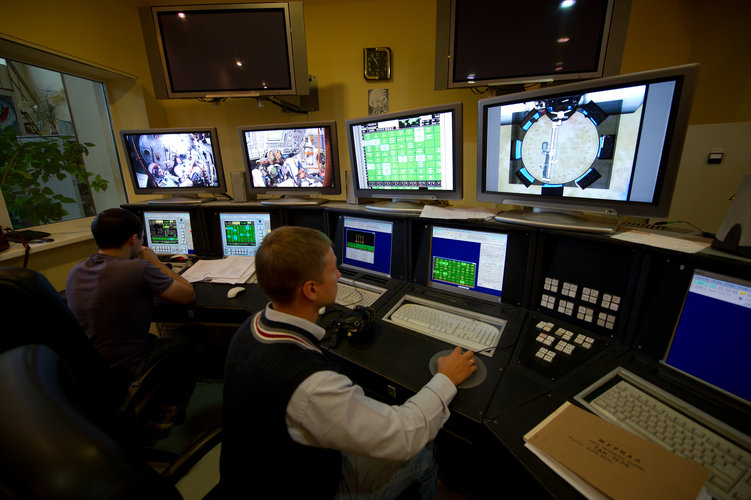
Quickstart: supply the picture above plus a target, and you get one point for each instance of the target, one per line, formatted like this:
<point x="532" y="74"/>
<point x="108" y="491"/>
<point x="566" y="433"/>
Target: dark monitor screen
<point x="711" y="340"/>
<point x="242" y="233"/>
<point x="295" y="159"/>
<point x="607" y="146"/>
<point x="227" y="50"/>
<point x="408" y="155"/>
<point x="169" y="233"/>
<point x="177" y="162"/>
<point x="468" y="262"/>
<point x="486" y="42"/>
<point x="367" y="245"/>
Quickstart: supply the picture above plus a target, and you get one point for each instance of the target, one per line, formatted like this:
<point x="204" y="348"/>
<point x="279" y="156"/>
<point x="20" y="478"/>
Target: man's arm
<point x="180" y="291"/>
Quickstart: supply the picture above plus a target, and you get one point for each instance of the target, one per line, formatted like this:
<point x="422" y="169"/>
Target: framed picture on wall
<point x="9" y="115"/>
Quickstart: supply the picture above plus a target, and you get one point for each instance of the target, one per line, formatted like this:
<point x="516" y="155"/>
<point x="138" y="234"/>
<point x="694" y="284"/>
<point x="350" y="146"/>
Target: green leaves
<point x="29" y="163"/>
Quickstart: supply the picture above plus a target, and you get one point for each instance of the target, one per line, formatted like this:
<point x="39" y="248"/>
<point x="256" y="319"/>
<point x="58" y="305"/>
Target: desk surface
<point x="63" y="233"/>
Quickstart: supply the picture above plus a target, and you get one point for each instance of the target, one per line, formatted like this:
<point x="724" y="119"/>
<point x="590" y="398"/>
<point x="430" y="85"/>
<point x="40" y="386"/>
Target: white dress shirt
<point x="329" y="411"/>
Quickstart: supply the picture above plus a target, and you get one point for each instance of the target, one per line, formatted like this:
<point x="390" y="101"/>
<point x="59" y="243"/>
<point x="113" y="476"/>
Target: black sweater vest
<point x="259" y="459"/>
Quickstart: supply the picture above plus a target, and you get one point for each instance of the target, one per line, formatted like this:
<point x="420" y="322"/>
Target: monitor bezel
<point x="361" y="269"/>
<point x="249" y="214"/>
<point x="167" y="211"/>
<point x="611" y="46"/>
<point x="473" y="293"/>
<point x="685" y="76"/>
<point x="456" y="193"/>
<point x="221" y="188"/>
<point x="297" y="64"/>
<point x="334" y="189"/>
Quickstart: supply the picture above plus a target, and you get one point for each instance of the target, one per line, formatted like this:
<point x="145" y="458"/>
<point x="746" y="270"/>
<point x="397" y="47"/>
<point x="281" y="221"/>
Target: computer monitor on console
<point x="179" y="162"/>
<point x="169" y="232"/>
<point x="610" y="146"/>
<point x="242" y="233"/>
<point x="407" y="156"/>
<point x="366" y="245"/>
<point x="707" y="344"/>
<point x="294" y="160"/>
<point x="468" y="262"/>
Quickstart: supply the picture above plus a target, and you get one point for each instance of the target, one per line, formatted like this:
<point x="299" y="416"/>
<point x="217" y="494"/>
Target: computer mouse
<point x="235" y="291"/>
<point x="179" y="257"/>
<point x="474" y="380"/>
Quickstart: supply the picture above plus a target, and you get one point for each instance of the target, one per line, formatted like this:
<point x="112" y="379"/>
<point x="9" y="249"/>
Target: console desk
<point x="483" y="439"/>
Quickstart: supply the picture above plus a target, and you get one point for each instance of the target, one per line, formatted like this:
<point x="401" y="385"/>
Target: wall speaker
<point x="240" y="188"/>
<point x="734" y="235"/>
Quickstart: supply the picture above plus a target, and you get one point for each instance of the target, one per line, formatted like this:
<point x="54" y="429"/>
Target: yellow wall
<point x="108" y="33"/>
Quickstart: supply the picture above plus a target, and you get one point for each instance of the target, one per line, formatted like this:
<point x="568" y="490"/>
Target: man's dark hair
<point x="113" y="226"/>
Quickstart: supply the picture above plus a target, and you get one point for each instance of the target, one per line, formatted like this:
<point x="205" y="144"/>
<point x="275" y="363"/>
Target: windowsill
<point x="63" y="233"/>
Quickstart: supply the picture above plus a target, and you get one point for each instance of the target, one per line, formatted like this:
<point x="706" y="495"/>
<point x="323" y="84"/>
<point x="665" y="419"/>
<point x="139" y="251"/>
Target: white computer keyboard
<point x="636" y="410"/>
<point x="455" y="327"/>
<point x="351" y="294"/>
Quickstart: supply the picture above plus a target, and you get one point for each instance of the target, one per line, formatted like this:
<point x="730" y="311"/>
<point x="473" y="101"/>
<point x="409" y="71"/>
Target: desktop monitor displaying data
<point x="468" y="262"/>
<point x="407" y="156"/>
<point x="610" y="146"/>
<point x="711" y="341"/>
<point x="242" y="233"/>
<point x="169" y="233"/>
<point x="182" y="163"/>
<point x="293" y="160"/>
<point x="367" y="245"/>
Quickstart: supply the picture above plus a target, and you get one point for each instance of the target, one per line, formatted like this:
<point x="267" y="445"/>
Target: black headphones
<point x="352" y="324"/>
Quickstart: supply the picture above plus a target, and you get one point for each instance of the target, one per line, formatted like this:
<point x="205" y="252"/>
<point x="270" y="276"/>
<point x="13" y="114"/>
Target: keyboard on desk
<point x="466" y="329"/>
<point x="637" y="410"/>
<point x="351" y="293"/>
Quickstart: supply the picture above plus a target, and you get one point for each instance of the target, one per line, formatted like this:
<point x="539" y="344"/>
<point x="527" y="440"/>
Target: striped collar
<point x="274" y="326"/>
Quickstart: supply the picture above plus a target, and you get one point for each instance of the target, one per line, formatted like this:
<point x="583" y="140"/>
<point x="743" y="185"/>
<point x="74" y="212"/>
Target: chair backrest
<point x="35" y="313"/>
<point x="49" y="449"/>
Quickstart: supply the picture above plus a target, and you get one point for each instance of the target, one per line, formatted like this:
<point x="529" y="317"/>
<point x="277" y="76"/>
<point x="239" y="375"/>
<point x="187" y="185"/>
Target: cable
<point x="285" y="105"/>
<point x="22" y="240"/>
<point x="665" y="222"/>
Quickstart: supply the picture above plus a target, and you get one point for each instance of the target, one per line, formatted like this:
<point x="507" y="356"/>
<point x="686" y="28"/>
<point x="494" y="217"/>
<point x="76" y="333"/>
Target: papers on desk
<point x="434" y="212"/>
<point x="230" y="269"/>
<point x="603" y="460"/>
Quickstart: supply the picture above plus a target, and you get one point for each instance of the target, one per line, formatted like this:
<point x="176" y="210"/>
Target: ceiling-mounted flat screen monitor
<point x="179" y="162"/>
<point x="407" y="156"/>
<point x="609" y="146"/>
<point x="227" y="50"/>
<point x="296" y="161"/>
<point x="492" y="42"/>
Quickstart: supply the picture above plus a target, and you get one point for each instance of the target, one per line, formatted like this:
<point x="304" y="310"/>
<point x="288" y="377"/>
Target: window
<point x="46" y="103"/>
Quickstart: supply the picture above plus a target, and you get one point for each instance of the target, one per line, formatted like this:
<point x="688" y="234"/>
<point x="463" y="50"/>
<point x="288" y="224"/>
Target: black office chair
<point x="35" y="313"/>
<point x="49" y="449"/>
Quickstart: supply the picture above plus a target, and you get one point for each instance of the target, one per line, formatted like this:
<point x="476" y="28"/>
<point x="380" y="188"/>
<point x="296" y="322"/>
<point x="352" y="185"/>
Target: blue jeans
<point x="371" y="479"/>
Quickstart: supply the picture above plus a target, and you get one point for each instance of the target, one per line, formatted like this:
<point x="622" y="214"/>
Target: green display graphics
<point x="240" y="233"/>
<point x="163" y="231"/>
<point x="361" y="240"/>
<point x="404" y="158"/>
<point x="454" y="271"/>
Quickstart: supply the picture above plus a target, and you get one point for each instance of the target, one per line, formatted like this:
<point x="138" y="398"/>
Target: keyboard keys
<point x="443" y="325"/>
<point x="645" y="415"/>
<point x="350" y="296"/>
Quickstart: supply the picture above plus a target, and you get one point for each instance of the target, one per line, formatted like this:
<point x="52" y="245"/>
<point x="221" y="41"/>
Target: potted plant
<point x="27" y="164"/>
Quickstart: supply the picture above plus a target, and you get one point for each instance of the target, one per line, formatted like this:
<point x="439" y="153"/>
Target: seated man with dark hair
<point x="292" y="421"/>
<point x="111" y="294"/>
